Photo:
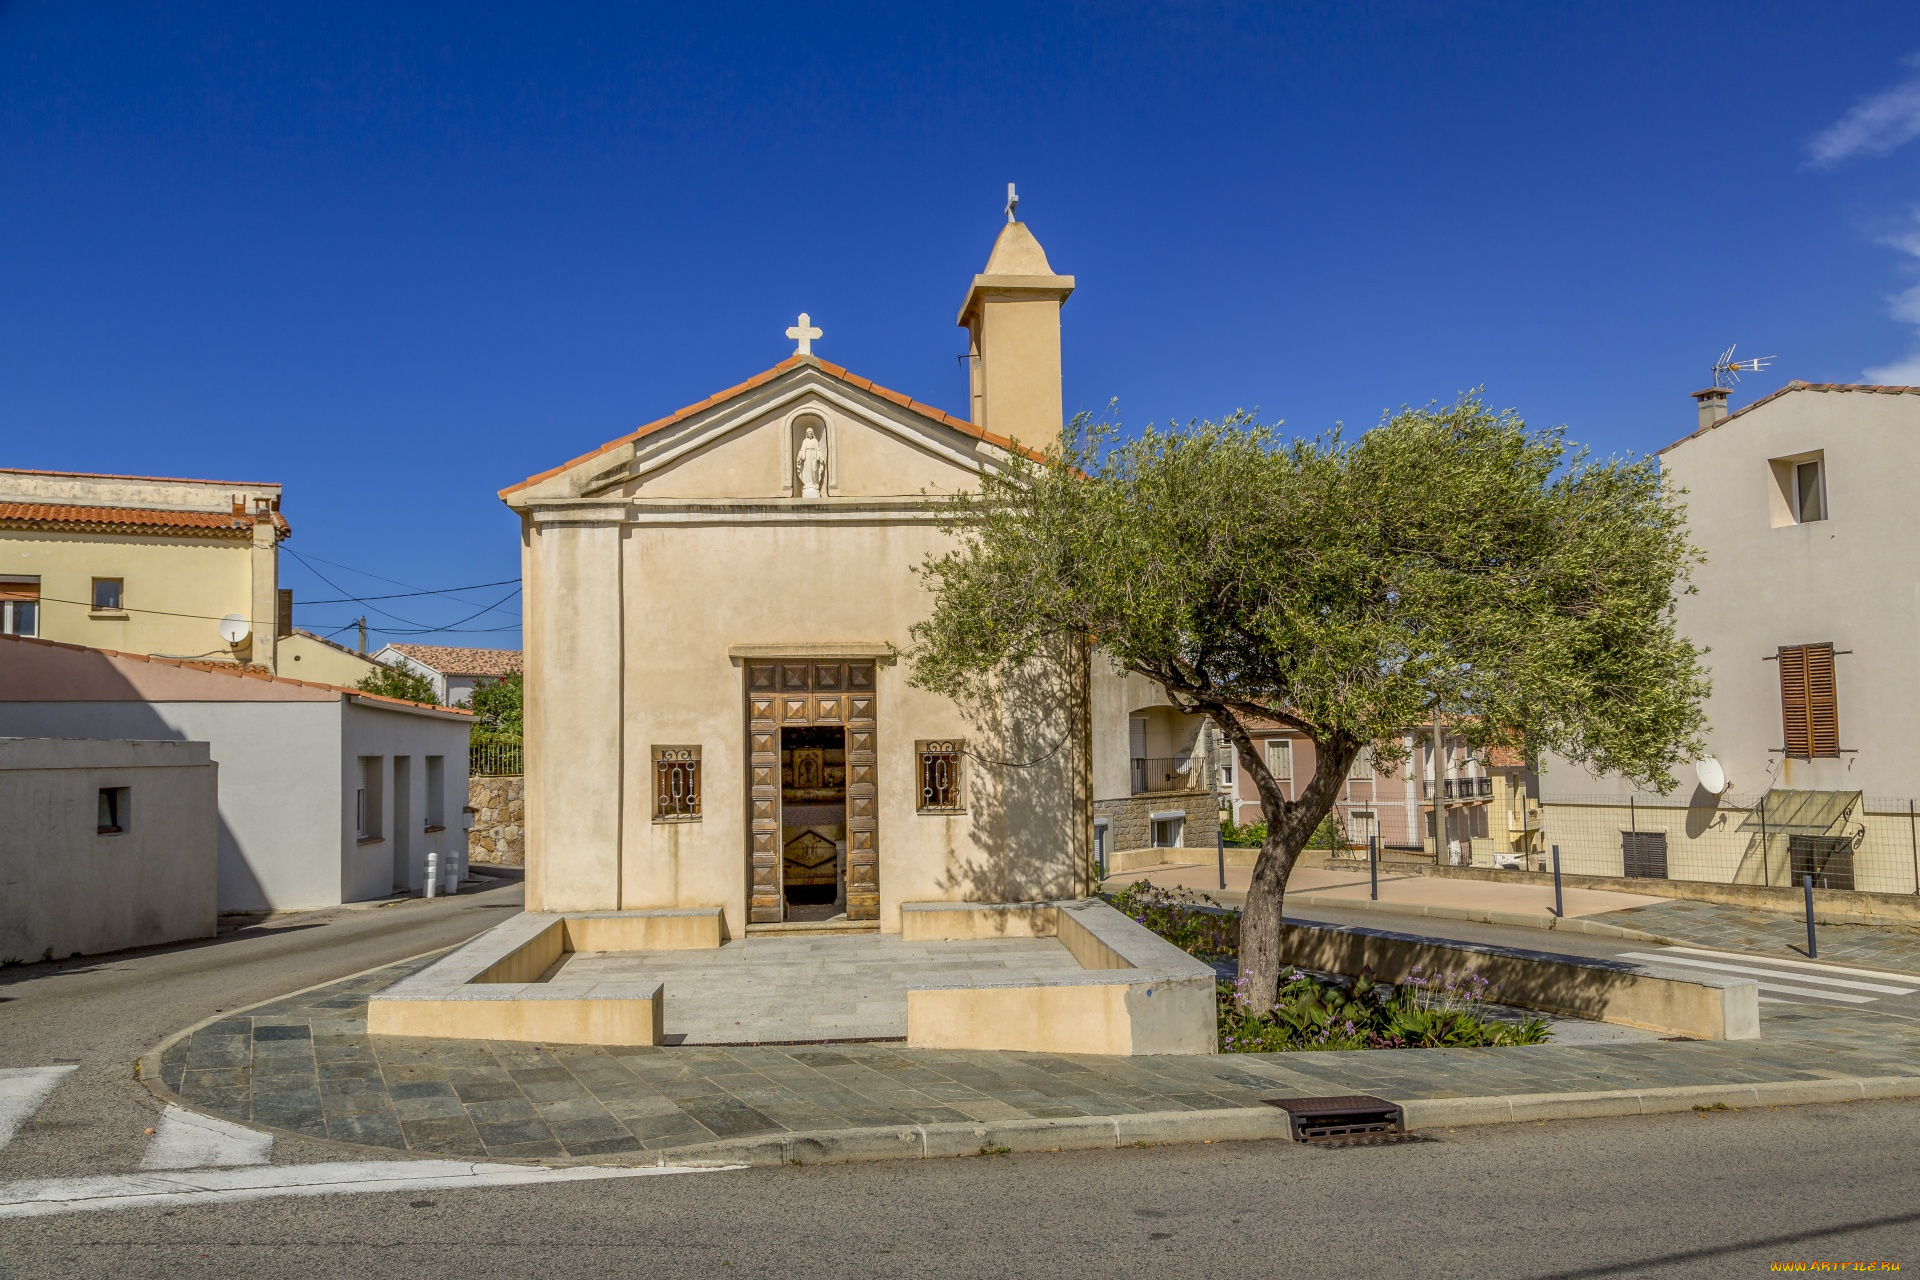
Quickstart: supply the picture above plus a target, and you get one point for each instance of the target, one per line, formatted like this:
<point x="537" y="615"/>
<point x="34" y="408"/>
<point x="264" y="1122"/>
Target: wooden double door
<point x="803" y="693"/>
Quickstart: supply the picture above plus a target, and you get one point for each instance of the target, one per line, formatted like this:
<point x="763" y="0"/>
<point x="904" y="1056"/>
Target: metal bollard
<point x="1559" y="906"/>
<point x="453" y="873"/>
<point x="1220" y="847"/>
<point x="1813" y="946"/>
<point x="1373" y="865"/>
<point x="433" y="873"/>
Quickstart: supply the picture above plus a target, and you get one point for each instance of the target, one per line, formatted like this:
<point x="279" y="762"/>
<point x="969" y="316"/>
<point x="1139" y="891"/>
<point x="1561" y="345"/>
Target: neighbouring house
<point x="1160" y="775"/>
<point x="455" y="672"/>
<point x="715" y="608"/>
<point x="144" y="564"/>
<point x="327" y="795"/>
<point x="1489" y="801"/>
<point x="306" y="656"/>
<point x="1803" y="504"/>
<point x="105" y="845"/>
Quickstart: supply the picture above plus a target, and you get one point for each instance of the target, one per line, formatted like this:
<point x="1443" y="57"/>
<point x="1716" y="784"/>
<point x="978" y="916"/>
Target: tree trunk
<point x="1290" y="824"/>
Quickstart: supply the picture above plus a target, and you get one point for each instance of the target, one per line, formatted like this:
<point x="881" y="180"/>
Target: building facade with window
<point x="717" y="710"/>
<point x="456" y="672"/>
<point x="144" y="564"/>
<point x="1803" y="505"/>
<point x="326" y="795"/>
<point x="1160" y="775"/>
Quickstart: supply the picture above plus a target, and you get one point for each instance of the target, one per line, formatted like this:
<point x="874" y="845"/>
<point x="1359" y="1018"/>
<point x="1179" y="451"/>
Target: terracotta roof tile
<point x="1868" y="387"/>
<point x="451" y="660"/>
<point x="790" y="363"/>
<point x="235" y="670"/>
<point x="81" y="518"/>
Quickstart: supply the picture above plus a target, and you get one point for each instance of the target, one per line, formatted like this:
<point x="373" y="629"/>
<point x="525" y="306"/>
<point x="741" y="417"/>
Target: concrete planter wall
<point x="499" y="820"/>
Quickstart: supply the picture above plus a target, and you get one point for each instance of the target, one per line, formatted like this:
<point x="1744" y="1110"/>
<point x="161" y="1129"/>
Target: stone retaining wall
<point x="499" y="820"/>
<point x="1130" y="820"/>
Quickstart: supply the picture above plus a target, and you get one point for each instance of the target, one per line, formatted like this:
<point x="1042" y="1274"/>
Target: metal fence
<point x="494" y="759"/>
<point x="1844" y="840"/>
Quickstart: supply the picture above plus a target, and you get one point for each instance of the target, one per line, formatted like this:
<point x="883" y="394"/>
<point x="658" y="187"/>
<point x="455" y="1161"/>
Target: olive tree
<point x="1450" y="558"/>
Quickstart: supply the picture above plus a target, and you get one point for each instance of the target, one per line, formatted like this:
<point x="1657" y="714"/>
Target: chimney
<point x="1713" y="405"/>
<point x="1012" y="319"/>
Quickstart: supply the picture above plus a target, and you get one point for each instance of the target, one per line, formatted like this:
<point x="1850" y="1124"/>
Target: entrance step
<point x="791" y="928"/>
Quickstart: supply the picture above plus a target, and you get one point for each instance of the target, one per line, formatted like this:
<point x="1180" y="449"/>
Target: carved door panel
<point x="855" y="703"/>
<point x="812" y="693"/>
<point x="763" y="800"/>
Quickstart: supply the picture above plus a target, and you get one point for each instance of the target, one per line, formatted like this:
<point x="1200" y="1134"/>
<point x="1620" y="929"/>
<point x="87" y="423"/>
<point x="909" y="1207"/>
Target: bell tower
<point x="1012" y="319"/>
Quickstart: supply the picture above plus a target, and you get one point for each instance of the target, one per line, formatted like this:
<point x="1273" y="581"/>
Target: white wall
<point x="68" y="887"/>
<point x="399" y="858"/>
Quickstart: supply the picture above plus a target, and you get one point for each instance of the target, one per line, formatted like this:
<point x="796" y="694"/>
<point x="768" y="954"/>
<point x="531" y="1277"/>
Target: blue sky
<point x="398" y="257"/>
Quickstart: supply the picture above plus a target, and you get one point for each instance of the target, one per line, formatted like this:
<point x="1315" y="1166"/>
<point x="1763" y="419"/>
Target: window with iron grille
<point x="1809" y="702"/>
<point x="1643" y="855"/>
<point x="940" y="774"/>
<point x="676" y="784"/>
<point x="1828" y="859"/>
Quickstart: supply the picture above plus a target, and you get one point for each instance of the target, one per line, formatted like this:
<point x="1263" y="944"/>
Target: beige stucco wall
<point x="1844" y="579"/>
<point x="637" y="592"/>
<point x="305" y="658"/>
<point x="206" y="577"/>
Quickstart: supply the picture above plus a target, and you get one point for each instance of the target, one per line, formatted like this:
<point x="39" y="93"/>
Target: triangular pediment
<point x="746" y="444"/>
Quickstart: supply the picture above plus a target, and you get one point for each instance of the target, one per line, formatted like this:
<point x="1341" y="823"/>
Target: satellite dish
<point x="1712" y="777"/>
<point x="234" y="628"/>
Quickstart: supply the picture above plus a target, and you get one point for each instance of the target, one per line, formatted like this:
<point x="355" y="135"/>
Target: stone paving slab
<point x="512" y="1100"/>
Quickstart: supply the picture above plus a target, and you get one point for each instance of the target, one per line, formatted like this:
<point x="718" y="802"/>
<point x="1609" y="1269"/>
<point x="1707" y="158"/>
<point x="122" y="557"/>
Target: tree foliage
<point x="398" y="682"/>
<point x="1452" y="555"/>
<point x="498" y="706"/>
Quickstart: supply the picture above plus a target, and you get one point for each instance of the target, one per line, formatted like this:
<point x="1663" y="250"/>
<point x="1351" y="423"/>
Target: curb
<point x="1519" y="919"/>
<point x="1253" y="1124"/>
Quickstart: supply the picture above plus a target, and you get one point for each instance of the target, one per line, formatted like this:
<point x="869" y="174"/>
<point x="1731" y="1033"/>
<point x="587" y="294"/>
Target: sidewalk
<point x="305" y="1065"/>
<point x="1352" y="884"/>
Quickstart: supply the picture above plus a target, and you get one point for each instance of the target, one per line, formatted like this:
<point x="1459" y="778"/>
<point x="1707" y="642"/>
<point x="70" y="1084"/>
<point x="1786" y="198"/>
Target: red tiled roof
<point x="237" y="670"/>
<point x="760" y="379"/>
<point x="1870" y="387"/>
<point x="450" y="660"/>
<point x="80" y="518"/>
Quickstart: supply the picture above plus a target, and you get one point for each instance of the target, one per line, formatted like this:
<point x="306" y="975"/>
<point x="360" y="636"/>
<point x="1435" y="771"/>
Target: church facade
<point x="717" y="607"/>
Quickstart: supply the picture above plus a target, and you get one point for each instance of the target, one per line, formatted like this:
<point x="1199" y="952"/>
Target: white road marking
<point x="188" y="1140"/>
<point x="22" y="1090"/>
<point x="1809" y="991"/>
<point x="219" y="1186"/>
<point x="1755" y="971"/>
<point x="1813" y="965"/>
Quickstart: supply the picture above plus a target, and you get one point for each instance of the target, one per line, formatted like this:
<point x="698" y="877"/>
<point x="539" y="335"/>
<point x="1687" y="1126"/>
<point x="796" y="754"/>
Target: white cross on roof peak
<point x="804" y="333"/>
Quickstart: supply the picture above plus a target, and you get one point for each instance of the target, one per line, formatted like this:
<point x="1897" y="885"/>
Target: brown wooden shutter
<point x="1823" y="703"/>
<point x="1793" y="699"/>
<point x="1809" y="702"/>
<point x="283" y="621"/>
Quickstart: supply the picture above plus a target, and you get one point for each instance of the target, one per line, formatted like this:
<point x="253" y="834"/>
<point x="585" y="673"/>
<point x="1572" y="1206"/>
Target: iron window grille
<point x="676" y="783"/>
<point x="940" y="774"/>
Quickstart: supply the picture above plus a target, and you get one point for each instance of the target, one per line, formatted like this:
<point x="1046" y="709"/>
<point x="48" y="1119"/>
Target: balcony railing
<point x="1458" y="788"/>
<point x="1178" y="773"/>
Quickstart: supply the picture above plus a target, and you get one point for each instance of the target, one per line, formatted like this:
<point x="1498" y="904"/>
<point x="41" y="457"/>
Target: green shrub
<point x="1425" y="1012"/>
<point x="1191" y="921"/>
<point x="498" y="707"/>
<point x="1330" y="834"/>
<point x="398" y="682"/>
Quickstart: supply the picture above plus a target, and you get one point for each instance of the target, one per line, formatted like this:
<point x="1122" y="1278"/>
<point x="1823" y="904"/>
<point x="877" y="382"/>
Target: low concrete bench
<point x="493" y="987"/>
<point x="1137" y="992"/>
<point x="1670" y="1001"/>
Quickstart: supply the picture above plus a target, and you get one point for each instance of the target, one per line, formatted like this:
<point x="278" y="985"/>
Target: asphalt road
<point x="1724" y="1193"/>
<point x="103" y="1013"/>
<point x="1720" y="1194"/>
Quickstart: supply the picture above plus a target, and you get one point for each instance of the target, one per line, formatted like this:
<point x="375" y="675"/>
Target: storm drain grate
<point x="1352" y="1120"/>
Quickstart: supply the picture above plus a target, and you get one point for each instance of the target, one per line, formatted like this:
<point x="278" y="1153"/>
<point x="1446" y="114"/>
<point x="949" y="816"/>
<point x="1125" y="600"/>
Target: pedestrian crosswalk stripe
<point x="1782" y="989"/>
<point x="212" y="1186"/>
<point x="1808" y="965"/>
<point x="22" y="1090"/>
<point x="189" y="1140"/>
<point x="1765" y="970"/>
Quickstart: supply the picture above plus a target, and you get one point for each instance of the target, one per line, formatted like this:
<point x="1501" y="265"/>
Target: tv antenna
<point x="1726" y="370"/>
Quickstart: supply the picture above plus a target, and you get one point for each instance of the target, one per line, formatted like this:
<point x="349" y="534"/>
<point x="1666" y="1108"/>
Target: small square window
<point x="116" y="810"/>
<point x="1809" y="492"/>
<point x="1168" y="832"/>
<point x="1799" y="489"/>
<point x="939" y="774"/>
<point x="1280" y="759"/>
<point x="106" y="595"/>
<point x="676" y="784"/>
